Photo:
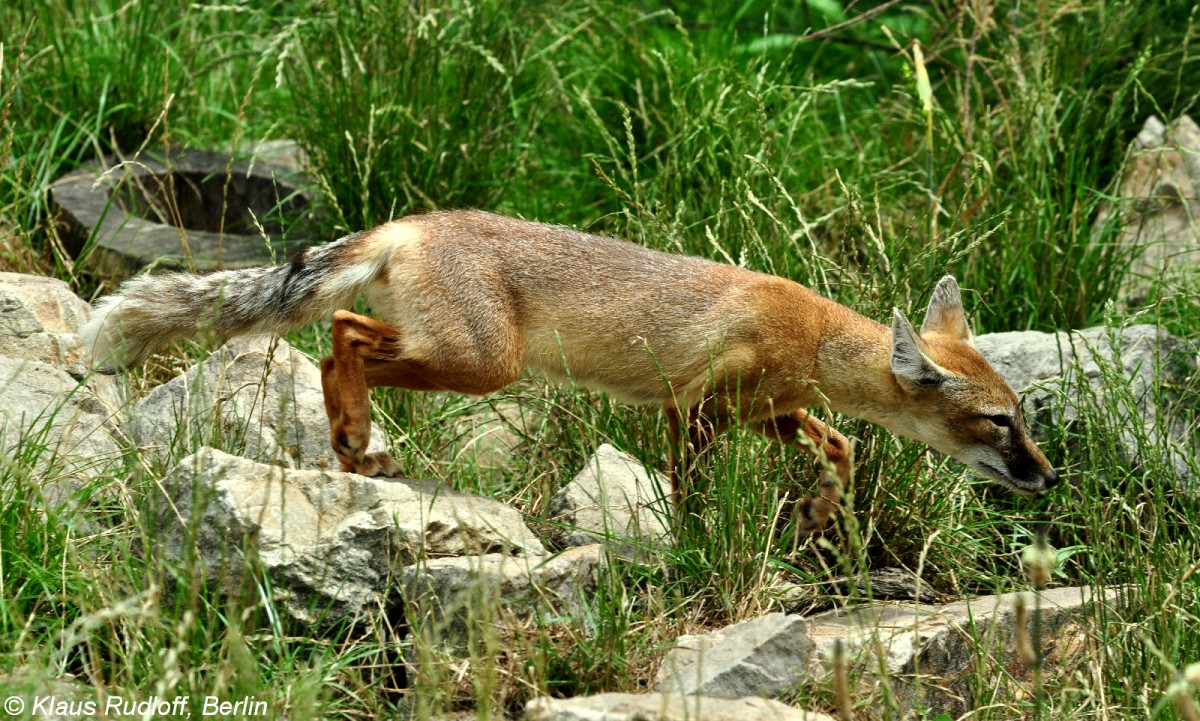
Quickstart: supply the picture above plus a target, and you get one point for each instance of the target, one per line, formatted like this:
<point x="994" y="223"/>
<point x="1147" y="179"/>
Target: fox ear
<point x="945" y="314"/>
<point x="911" y="365"/>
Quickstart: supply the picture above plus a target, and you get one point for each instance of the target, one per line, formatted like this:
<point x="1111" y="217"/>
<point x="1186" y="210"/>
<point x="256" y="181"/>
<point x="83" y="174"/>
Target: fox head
<point x="956" y="402"/>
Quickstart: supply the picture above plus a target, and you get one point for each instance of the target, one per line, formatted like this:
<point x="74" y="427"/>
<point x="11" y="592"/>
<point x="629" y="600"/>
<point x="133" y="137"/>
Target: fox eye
<point x="1000" y="421"/>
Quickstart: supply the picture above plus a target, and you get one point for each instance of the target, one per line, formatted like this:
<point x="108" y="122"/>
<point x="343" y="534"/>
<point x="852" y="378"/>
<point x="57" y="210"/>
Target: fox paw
<point x="375" y="465"/>
<point x="812" y="514"/>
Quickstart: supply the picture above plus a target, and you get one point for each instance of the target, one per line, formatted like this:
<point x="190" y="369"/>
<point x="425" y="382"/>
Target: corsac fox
<point x="471" y="299"/>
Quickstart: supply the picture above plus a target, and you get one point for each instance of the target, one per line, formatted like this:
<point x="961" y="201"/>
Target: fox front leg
<point x="828" y="446"/>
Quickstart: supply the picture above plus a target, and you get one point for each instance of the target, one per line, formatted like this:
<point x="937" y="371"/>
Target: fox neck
<point x="854" y="374"/>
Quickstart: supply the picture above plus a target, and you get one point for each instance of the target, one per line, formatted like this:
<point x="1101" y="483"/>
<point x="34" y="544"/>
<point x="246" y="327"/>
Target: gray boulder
<point x="661" y="707"/>
<point x="614" y="498"/>
<point x="52" y="424"/>
<point x="445" y="592"/>
<point x="951" y="643"/>
<point x="58" y="421"/>
<point x="764" y="656"/>
<point x="255" y="397"/>
<point x="1138" y="371"/>
<point x="1157" y="205"/>
<point x="330" y="542"/>
<point x="40" y="319"/>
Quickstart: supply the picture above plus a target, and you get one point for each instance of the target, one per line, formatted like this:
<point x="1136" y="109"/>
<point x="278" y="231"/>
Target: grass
<point x="742" y="132"/>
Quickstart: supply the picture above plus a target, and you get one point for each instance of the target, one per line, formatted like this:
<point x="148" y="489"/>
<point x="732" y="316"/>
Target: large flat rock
<point x="931" y="654"/>
<point x="444" y="594"/>
<point x="55" y="424"/>
<point x="332" y="543"/>
<point x="764" y="656"/>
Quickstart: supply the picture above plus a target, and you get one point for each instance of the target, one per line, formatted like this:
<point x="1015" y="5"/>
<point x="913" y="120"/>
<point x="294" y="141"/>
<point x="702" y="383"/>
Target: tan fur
<point x="471" y="299"/>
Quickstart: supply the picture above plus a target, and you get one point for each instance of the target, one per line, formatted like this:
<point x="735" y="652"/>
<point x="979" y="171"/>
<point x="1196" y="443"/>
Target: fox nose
<point x="1053" y="479"/>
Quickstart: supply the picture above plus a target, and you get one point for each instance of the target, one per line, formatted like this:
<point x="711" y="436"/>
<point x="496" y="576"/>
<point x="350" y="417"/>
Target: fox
<point x="469" y="300"/>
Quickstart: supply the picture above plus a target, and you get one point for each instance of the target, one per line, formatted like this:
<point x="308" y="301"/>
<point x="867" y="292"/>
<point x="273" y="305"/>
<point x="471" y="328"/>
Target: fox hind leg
<point x="691" y="432"/>
<point x="356" y="339"/>
<point x="368" y="353"/>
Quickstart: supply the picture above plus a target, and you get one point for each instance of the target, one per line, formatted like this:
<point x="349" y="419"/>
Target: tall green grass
<point x="438" y="110"/>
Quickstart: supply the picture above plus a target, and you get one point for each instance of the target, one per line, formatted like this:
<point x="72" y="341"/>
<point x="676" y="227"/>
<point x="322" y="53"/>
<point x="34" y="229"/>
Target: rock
<point x="1059" y="373"/>
<point x="254" y="397"/>
<point x="58" y="419"/>
<point x="950" y="643"/>
<point x="193" y="210"/>
<point x="444" y="591"/>
<point x="913" y="642"/>
<point x="491" y="437"/>
<point x="1027" y="358"/>
<point x="40" y="319"/>
<point x="280" y="153"/>
<point x="330" y="542"/>
<point x="659" y="707"/>
<point x="613" y="498"/>
<point x="55" y="425"/>
<point x="761" y="657"/>
<point x="1158" y="205"/>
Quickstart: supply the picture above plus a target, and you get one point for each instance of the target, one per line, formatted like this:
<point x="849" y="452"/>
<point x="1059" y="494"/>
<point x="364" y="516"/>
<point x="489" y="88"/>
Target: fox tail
<point x="152" y="311"/>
